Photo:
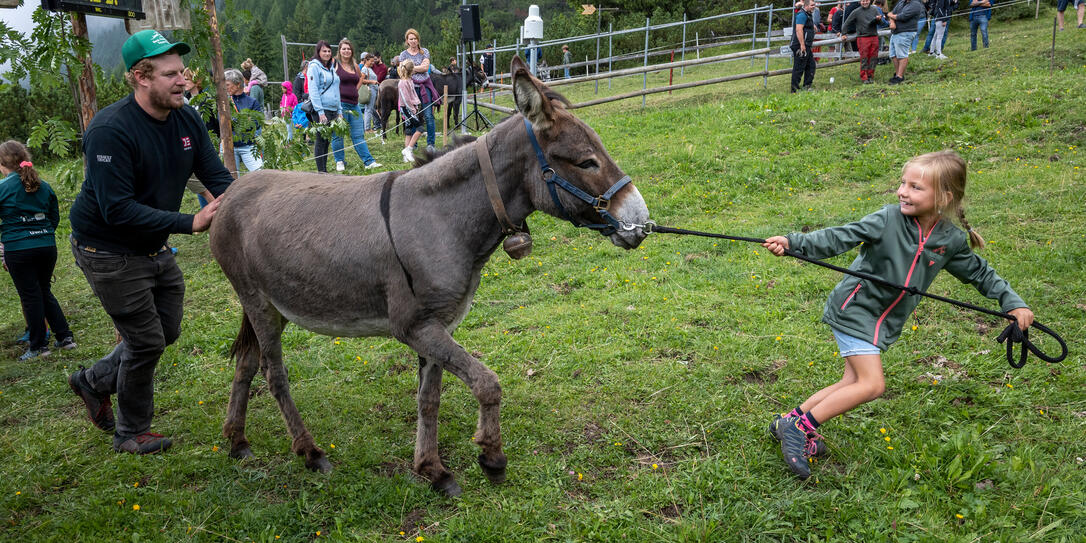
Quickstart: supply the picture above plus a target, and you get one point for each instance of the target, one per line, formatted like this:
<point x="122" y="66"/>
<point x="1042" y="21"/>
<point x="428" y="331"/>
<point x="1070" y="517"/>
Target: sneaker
<point x="941" y="56"/>
<point x="99" y="408"/>
<point x="819" y="447"/>
<point x="31" y="354"/>
<point x="430" y="149"/>
<point x="895" y="80"/>
<point x="408" y="155"/>
<point x="794" y="447"/>
<point x="148" y="443"/>
<point x="66" y="344"/>
<point x="25" y="338"/>
<point x="340" y="166"/>
<point x="373" y="165"/>
<point x="1082" y="26"/>
<point x="868" y="81"/>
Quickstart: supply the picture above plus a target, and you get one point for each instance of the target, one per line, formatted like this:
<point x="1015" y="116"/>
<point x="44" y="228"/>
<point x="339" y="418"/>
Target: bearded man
<point x="139" y="154"/>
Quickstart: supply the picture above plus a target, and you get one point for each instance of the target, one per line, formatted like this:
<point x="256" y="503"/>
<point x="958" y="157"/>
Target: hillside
<point x="637" y="384"/>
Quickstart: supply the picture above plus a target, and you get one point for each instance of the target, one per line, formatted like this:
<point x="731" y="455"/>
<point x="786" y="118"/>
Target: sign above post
<point x="161" y="15"/>
<point x="128" y="9"/>
<point x="588" y="9"/>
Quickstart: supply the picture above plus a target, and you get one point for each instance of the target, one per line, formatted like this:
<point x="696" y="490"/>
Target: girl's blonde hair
<point x="946" y="171"/>
<point x="247" y="64"/>
<point x="409" y="32"/>
<point x="13" y="155"/>
<point x="405" y="69"/>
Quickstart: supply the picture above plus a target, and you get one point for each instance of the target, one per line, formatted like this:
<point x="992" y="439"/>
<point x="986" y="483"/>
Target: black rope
<point x="1011" y="334"/>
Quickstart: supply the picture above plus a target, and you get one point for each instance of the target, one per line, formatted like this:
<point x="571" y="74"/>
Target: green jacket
<point x="29" y="219"/>
<point x="893" y="247"/>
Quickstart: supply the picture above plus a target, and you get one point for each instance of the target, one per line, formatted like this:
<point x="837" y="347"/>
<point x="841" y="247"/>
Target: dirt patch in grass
<point x="765" y="375"/>
<point x="413" y="521"/>
<point x="670" y="512"/>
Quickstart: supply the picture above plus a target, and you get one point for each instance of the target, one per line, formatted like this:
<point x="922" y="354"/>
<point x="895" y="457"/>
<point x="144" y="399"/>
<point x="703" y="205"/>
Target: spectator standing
<point x="941" y="12"/>
<point x="322" y="84"/>
<point x="980" y="12"/>
<point x="902" y="31"/>
<point x="865" y="22"/>
<point x="256" y="80"/>
<point x="920" y="23"/>
<point x="369" y="79"/>
<point x="567" y="59"/>
<point x="379" y="68"/>
<point x="1061" y="6"/>
<point x="930" y="5"/>
<point x="408" y="101"/>
<point x="244" y="134"/>
<point x="29" y="216"/>
<point x="140" y="152"/>
<point x="803" y="63"/>
<point x="299" y="82"/>
<point x="350" y="81"/>
<point x="286" y="107"/>
<point x="424" y="87"/>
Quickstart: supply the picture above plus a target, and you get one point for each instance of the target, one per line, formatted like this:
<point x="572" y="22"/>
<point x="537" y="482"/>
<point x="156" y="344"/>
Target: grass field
<point x="637" y="385"/>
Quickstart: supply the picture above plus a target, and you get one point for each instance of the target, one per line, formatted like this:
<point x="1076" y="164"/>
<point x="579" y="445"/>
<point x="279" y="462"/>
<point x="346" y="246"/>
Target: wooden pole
<point x="226" y="130"/>
<point x="88" y="95"/>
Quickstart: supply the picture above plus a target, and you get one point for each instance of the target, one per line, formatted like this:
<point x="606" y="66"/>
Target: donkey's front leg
<point x="483" y="383"/>
<point x="427" y="460"/>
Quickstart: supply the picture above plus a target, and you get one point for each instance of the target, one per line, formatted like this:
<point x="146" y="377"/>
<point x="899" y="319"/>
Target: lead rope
<point x="1011" y="334"/>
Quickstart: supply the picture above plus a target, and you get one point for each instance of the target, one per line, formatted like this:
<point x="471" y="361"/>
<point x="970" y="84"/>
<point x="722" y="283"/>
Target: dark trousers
<point x="144" y="296"/>
<point x="803" y="67"/>
<point x="320" y="146"/>
<point x="31" y="271"/>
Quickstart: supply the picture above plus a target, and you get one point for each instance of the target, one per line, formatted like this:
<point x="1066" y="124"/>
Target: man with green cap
<point x="139" y="154"/>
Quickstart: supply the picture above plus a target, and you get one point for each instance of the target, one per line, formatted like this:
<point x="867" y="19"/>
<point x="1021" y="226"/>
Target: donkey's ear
<point x="529" y="97"/>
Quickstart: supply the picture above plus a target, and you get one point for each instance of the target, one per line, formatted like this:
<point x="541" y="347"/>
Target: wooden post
<point x="88" y="95"/>
<point x="445" y="117"/>
<point x="671" y="72"/>
<point x="226" y="131"/>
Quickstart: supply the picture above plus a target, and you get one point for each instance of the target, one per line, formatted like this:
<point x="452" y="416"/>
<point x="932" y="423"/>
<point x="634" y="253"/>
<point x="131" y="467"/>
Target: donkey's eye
<point x="588" y="164"/>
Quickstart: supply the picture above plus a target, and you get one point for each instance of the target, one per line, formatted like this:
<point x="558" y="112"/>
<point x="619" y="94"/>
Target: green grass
<point x="637" y="385"/>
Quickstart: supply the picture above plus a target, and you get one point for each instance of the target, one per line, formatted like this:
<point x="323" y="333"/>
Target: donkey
<point x="400" y="254"/>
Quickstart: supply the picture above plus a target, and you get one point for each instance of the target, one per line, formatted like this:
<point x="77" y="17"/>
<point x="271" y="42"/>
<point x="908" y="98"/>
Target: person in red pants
<point x="865" y="21"/>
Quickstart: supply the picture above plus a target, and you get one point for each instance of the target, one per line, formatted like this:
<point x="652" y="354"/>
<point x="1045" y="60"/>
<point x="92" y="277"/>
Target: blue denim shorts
<point x="852" y="346"/>
<point x="901" y="44"/>
<point x="1061" y="5"/>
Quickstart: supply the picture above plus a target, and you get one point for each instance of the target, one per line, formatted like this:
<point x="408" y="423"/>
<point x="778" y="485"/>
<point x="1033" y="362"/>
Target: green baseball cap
<point x="146" y="44"/>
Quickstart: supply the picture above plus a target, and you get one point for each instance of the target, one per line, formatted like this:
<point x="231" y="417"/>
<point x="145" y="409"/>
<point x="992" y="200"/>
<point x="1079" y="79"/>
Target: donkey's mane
<point x="428" y="156"/>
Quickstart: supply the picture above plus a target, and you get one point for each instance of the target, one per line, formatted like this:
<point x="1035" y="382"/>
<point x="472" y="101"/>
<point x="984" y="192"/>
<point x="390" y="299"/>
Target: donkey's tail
<point x="246" y="343"/>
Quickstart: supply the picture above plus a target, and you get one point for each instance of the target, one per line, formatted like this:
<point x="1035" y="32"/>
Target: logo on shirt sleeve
<point x="186" y="143"/>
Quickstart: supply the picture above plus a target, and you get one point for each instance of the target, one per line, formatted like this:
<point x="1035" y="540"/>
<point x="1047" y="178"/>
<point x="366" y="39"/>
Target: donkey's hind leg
<point x="246" y="352"/>
<point x="427" y="460"/>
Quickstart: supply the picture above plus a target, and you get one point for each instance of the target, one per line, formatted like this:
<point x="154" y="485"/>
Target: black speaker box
<point x="469" y="23"/>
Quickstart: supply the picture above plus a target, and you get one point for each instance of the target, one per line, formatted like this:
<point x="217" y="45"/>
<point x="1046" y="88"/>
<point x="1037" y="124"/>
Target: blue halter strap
<point x="601" y="204"/>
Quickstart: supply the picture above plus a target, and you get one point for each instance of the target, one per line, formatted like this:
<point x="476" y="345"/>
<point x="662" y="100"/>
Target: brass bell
<point x="518" y="245"/>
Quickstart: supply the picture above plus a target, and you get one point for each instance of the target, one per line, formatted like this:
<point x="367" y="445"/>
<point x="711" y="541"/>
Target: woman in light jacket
<point x="323" y="83"/>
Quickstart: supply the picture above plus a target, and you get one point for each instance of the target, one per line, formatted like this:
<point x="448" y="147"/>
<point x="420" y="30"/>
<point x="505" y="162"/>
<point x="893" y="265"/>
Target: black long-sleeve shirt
<point x="137" y="169"/>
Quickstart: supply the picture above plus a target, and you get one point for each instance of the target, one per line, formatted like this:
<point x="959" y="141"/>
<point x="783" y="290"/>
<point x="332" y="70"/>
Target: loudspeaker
<point x="469" y="23"/>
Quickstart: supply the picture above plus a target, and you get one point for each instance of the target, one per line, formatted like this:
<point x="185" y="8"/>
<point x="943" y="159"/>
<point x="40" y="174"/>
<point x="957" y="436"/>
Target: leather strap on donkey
<point x="602" y="203"/>
<point x="1011" y="334"/>
<point x="518" y="241"/>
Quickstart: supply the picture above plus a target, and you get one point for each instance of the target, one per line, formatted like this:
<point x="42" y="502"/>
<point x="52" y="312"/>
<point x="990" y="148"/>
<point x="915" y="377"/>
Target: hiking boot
<point x="819" y="447"/>
<point x="66" y="344"/>
<point x="148" y="443"/>
<point x="31" y="354"/>
<point x="99" y="408"/>
<point x="25" y="338"/>
<point x="794" y="447"/>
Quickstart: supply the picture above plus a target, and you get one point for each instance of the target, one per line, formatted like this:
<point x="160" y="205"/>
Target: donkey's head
<point x="573" y="156"/>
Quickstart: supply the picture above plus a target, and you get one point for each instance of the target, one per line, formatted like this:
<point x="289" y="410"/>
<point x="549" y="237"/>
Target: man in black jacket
<point x="139" y="151"/>
<point x="803" y="61"/>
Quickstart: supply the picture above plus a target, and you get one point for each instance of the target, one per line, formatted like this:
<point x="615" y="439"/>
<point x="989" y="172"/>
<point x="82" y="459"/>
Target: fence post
<point x="754" y="34"/>
<point x="599" y="19"/>
<point x="697" y="48"/>
<point x="684" y="45"/>
<point x="286" y="63"/>
<point x="610" y="53"/>
<point x="768" y="33"/>
<point x="645" y="79"/>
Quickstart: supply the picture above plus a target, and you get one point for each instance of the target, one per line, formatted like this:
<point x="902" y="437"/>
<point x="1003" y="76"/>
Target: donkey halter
<point x="601" y="204"/>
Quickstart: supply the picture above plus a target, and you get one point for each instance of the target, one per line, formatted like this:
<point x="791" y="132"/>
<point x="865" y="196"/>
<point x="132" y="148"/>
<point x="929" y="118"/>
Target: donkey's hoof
<point x="494" y="470"/>
<point x="242" y="453"/>
<point x="446" y="485"/>
<point x="320" y="464"/>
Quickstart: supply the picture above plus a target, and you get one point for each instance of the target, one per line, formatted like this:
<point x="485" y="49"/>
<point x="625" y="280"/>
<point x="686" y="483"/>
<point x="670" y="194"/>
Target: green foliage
<point x="636" y="385"/>
<point x="54" y="135"/>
